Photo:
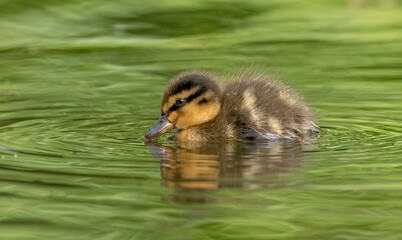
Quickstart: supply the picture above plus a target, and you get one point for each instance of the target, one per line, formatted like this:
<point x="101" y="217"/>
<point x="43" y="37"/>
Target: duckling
<point x="248" y="107"/>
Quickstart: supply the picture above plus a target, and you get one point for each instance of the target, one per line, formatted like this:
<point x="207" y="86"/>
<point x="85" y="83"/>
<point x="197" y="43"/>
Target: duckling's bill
<point x="163" y="125"/>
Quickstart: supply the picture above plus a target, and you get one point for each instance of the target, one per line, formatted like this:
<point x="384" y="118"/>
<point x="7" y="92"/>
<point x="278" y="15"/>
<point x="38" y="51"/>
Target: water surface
<point x="81" y="82"/>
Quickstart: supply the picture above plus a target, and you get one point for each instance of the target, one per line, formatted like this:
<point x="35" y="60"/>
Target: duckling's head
<point x="190" y="100"/>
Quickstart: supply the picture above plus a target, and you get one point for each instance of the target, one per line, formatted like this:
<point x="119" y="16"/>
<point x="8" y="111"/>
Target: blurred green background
<point x="81" y="82"/>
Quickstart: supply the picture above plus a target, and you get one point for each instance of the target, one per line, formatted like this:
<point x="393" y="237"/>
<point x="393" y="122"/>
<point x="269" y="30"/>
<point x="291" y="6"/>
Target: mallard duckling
<point x="249" y="107"/>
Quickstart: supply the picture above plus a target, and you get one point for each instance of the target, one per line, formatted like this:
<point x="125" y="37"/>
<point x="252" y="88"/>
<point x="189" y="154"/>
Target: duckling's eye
<point x="180" y="102"/>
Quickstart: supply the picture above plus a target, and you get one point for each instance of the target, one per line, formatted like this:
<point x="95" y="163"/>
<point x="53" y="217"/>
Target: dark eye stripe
<point x="189" y="99"/>
<point x="203" y="101"/>
<point x="196" y="94"/>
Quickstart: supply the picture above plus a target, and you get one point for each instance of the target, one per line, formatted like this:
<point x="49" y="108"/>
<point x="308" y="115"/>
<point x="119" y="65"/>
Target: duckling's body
<point x="248" y="107"/>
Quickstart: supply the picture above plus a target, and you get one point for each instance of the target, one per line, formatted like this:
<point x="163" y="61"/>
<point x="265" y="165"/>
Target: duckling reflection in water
<point x="231" y="164"/>
<point x="248" y="107"/>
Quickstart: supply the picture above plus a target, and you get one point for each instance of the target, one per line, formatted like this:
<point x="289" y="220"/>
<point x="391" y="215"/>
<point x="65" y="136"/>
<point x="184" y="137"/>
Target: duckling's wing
<point x="268" y="108"/>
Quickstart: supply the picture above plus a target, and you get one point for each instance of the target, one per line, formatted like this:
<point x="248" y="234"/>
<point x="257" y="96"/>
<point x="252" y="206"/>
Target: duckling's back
<point x="257" y="108"/>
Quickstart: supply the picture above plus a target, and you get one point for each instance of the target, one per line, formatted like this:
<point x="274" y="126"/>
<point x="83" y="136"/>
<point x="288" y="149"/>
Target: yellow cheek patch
<point x="249" y="103"/>
<point x="193" y="114"/>
<point x="183" y="94"/>
<point x="173" y="116"/>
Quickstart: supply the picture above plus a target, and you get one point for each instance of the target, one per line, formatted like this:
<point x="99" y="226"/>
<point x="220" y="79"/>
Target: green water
<point x="81" y="82"/>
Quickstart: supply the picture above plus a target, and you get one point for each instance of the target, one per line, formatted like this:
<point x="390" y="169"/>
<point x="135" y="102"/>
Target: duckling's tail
<point x="314" y="128"/>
